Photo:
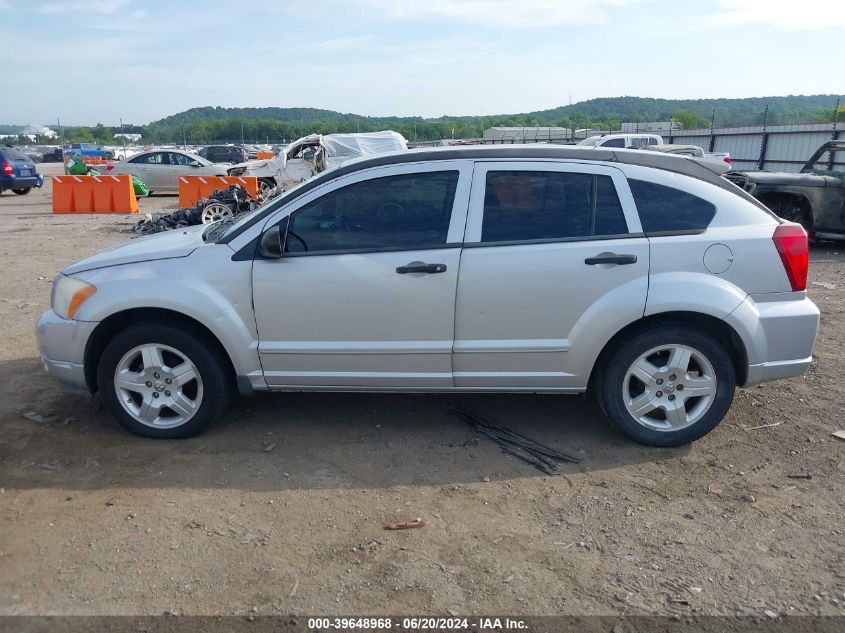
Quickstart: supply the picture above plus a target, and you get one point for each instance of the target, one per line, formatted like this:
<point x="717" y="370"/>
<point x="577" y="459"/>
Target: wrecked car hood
<point x="782" y="178"/>
<point x="166" y="245"/>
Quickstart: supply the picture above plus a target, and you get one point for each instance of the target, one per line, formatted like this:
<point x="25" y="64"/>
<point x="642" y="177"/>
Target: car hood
<point x="782" y="178"/>
<point x="278" y="161"/>
<point x="166" y="245"/>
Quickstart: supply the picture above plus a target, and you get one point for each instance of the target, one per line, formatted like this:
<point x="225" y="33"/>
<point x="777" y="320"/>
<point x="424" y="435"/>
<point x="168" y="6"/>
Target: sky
<point x="90" y="61"/>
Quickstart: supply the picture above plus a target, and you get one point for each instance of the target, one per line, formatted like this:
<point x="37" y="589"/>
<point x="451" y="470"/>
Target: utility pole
<point x="242" y="131"/>
<point x="61" y="135"/>
<point x="123" y="136"/>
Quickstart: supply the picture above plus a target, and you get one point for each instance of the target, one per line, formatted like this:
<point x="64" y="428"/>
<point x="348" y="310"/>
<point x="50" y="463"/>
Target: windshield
<point x="589" y="142"/>
<point x="830" y="159"/>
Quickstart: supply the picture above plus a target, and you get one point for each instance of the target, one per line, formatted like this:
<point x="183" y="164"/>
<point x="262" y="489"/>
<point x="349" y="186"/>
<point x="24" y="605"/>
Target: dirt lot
<point x="280" y="508"/>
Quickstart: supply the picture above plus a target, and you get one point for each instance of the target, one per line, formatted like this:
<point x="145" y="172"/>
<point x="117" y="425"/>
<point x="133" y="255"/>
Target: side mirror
<point x="194" y="163"/>
<point x="270" y="244"/>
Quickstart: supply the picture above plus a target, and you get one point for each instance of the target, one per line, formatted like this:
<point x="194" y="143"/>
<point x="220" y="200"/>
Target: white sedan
<point x="160" y="169"/>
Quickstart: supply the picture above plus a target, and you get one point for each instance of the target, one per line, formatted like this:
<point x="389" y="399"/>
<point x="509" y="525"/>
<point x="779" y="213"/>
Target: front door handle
<point x="421" y="267"/>
<point x="611" y="258"/>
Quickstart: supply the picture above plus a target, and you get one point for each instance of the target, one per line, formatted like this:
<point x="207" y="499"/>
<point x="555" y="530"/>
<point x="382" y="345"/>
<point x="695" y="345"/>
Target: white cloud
<point x="88" y="6"/>
<point x="786" y="14"/>
<point x="503" y="13"/>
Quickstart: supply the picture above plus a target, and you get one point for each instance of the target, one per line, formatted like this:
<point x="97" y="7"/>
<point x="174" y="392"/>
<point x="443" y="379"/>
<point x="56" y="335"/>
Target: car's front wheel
<point x="22" y="192"/>
<point x="666" y="387"/>
<point x="163" y="382"/>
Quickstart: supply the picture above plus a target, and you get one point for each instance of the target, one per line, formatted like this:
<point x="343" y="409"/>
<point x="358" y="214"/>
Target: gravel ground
<point x="280" y="507"/>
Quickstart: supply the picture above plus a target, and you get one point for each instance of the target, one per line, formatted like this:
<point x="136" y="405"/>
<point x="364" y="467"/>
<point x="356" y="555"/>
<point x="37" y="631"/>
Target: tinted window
<point x="614" y="142"/>
<point x="409" y="211"/>
<point x="668" y="209"/>
<point x="610" y="220"/>
<point x="537" y="205"/>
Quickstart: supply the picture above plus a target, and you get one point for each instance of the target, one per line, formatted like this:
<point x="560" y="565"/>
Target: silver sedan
<point x="160" y="169"/>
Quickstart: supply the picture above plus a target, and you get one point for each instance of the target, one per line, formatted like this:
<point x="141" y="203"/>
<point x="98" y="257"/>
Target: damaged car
<point x="813" y="197"/>
<point x="315" y="153"/>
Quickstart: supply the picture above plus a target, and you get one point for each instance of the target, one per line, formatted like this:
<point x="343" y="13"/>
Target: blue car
<point x="17" y="171"/>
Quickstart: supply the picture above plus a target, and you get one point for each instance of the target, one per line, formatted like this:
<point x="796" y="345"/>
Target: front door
<point x="155" y="171"/>
<point x="553" y="254"/>
<point x="364" y="295"/>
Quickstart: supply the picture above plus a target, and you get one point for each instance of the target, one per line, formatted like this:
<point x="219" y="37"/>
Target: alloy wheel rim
<point x="158" y="386"/>
<point x="669" y="387"/>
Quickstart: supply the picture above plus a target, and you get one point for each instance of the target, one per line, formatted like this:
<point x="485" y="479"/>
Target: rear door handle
<point x="611" y="258"/>
<point x="421" y="267"/>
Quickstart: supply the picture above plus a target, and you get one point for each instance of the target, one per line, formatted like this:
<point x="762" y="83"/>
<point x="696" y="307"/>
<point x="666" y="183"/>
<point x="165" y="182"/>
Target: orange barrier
<point x="194" y="188"/>
<point x="91" y="160"/>
<point x="264" y="155"/>
<point x="94" y="194"/>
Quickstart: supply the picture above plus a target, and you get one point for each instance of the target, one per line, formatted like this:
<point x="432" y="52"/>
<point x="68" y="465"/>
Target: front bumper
<point x="779" y="335"/>
<point x="62" y="344"/>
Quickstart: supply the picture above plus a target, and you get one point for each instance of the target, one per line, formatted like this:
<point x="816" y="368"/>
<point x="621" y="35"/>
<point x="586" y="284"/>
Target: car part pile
<point x="223" y="204"/>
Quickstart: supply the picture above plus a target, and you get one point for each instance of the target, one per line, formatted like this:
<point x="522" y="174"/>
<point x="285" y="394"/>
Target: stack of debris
<point x="223" y="204"/>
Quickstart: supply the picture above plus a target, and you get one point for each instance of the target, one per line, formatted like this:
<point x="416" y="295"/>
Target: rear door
<point x="553" y="260"/>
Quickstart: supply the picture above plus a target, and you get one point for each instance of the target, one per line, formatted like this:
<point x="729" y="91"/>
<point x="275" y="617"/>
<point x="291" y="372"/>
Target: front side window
<point x="549" y="205"/>
<point x="664" y="208"/>
<point x="406" y="212"/>
<point x="179" y="159"/>
<point x="156" y="158"/>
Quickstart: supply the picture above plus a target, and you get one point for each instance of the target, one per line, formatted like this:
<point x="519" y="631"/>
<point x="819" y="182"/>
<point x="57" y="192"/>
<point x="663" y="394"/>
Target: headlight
<point x="68" y="294"/>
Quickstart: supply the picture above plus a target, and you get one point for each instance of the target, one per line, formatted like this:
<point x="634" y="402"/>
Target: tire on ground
<point x="212" y="368"/>
<point x="611" y="374"/>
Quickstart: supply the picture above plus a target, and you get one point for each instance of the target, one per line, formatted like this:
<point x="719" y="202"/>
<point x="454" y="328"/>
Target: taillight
<point x="728" y="160"/>
<point x="109" y="168"/>
<point x="791" y="242"/>
<point x="7" y="168"/>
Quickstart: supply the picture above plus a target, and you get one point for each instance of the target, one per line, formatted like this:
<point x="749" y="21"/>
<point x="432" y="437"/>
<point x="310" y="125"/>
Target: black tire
<point x="268" y="183"/>
<point x="22" y="192"/>
<point x="611" y="373"/>
<point x="108" y="156"/>
<point x="212" y="369"/>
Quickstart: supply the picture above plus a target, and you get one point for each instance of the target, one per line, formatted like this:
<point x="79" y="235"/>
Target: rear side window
<point x="614" y="142"/>
<point x="547" y="205"/>
<point x="406" y="212"/>
<point x="668" y="209"/>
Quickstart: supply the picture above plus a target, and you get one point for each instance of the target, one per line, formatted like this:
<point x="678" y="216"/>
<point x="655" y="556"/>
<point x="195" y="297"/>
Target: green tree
<point x="689" y="119"/>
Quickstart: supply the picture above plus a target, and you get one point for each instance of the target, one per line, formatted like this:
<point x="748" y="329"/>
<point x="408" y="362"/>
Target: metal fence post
<point x="830" y="160"/>
<point x="764" y="141"/>
<point x="712" y="140"/>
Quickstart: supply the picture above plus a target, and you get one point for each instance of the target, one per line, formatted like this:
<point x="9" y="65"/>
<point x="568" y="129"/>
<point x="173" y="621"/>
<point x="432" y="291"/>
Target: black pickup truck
<point x="814" y="197"/>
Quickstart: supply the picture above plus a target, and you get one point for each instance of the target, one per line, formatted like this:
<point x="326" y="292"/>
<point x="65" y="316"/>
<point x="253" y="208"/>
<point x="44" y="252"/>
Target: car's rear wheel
<point x="162" y="382"/>
<point x="666" y="387"/>
<point x="22" y="192"/>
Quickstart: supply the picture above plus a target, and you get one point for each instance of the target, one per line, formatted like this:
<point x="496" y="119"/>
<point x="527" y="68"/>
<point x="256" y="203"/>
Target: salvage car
<point x="160" y="169"/>
<point x="723" y="159"/>
<point x="814" y="197"/>
<point x="648" y="279"/>
<point x="621" y="140"/>
<point x="17" y="171"/>
<point x="315" y="153"/>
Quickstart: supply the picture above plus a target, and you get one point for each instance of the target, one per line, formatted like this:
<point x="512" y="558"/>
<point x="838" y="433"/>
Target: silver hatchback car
<point x="645" y="278"/>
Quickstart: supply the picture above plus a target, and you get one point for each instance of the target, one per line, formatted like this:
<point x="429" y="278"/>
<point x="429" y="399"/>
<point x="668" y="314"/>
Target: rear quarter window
<point x="663" y="208"/>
